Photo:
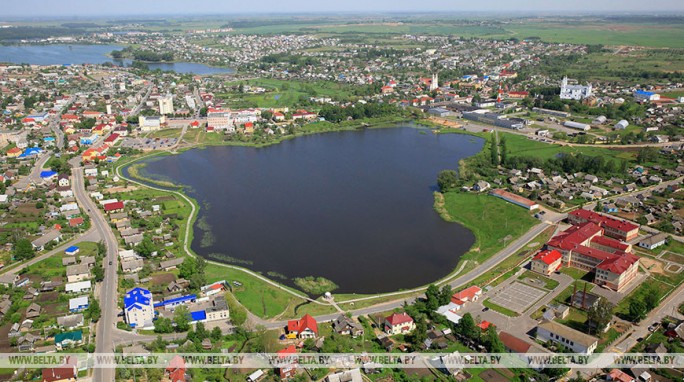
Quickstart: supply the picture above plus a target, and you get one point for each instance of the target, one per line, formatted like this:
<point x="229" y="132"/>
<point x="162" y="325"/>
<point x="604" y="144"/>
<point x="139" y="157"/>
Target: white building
<point x="576" y="92"/>
<point x="644" y="96"/>
<point x="621" y="125"/>
<point x="572" y="339"/>
<point x="139" y="308"/>
<point x="151" y="123"/>
<point x="166" y="104"/>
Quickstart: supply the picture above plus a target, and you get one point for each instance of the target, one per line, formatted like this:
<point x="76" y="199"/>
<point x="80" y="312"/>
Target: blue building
<point x="139" y="308"/>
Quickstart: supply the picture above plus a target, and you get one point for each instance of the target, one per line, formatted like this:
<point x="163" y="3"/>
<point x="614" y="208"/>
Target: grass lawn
<point x="500" y="309"/>
<point x="494" y="222"/>
<point x="519" y="145"/>
<point x="575" y="273"/>
<point x="622" y="308"/>
<point x="280" y="93"/>
<point x="258" y="297"/>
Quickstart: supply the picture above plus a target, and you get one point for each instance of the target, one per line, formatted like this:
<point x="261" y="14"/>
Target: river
<point x="90" y="54"/>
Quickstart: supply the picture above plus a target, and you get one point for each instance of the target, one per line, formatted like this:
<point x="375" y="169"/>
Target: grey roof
<point x="75" y="270"/>
<point x="568" y="333"/>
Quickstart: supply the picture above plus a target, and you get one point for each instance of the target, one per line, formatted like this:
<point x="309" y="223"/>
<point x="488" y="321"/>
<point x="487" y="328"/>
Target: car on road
<point x="110" y="263"/>
<point x="640" y="339"/>
<point x="485" y="309"/>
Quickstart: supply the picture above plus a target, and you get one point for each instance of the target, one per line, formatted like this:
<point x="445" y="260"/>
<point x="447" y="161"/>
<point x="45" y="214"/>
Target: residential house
<point x="33" y="310"/>
<point x="52" y="235"/>
<point x="78" y="304"/>
<point x="654" y="241"/>
<point x="347" y="326"/>
<point x="77" y="273"/>
<point x="168" y="265"/>
<point x="68" y="340"/>
<point x="70" y="322"/>
<point x="306" y="327"/>
<point x="78" y="287"/>
<point x="399" y="323"/>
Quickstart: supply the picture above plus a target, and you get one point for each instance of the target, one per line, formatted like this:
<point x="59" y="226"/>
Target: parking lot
<point x="518" y="297"/>
<point x="149" y="143"/>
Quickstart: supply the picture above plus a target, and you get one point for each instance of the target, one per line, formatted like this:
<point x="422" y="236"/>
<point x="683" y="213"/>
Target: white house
<point x="78" y="287"/>
<point x="78" y="304"/>
<point x="572" y="339"/>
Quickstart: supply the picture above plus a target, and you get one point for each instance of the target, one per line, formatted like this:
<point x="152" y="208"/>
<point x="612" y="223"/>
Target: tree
<point x="163" y="325"/>
<point x="493" y="151"/>
<point x="446" y="180"/>
<point x="494" y="343"/>
<point x="99" y="273"/>
<point x="445" y="295"/>
<point x="637" y="309"/>
<point x="23" y="249"/>
<point x="94" y="310"/>
<point x="503" y="150"/>
<point x="600" y="314"/>
<point x="216" y="334"/>
<point x="181" y="317"/>
<point x="432" y="297"/>
<point x="146" y="247"/>
<point x="647" y="154"/>
<point x="466" y="326"/>
<point x="651" y="297"/>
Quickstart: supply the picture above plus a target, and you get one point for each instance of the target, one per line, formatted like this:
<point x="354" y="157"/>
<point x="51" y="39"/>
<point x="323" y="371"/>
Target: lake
<point x="355" y="207"/>
<point x="90" y="54"/>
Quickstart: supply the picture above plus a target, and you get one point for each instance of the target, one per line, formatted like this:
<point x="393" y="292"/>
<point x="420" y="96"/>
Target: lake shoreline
<point x="377" y="125"/>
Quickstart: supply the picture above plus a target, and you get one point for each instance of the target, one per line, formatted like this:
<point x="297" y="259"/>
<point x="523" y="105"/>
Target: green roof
<point x="73" y="336"/>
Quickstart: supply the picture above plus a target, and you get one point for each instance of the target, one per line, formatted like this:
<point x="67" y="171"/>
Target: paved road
<point x="108" y="288"/>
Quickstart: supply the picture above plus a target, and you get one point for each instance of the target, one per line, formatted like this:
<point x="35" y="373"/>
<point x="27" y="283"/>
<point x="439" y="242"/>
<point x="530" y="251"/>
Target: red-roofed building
<point x="387" y="90"/>
<point x="14" y="152"/>
<point x="112" y="138"/>
<point x="399" y="323"/>
<point x="546" y="262"/>
<point x="287" y="371"/>
<point x="471" y="293"/>
<point x="75" y="222"/>
<point x="514" y="344"/>
<point x="195" y="124"/>
<point x="59" y="374"/>
<point x="484" y="325"/>
<point x="515" y="199"/>
<point x="617" y="229"/>
<point x="619" y="376"/>
<point x="307" y="327"/>
<point x="176" y="369"/>
<point x="583" y="247"/>
<point x="518" y="94"/>
<point x="114" y="207"/>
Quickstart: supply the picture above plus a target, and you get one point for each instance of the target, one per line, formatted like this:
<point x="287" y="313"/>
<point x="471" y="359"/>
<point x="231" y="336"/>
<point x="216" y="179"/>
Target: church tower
<point x="434" y="84"/>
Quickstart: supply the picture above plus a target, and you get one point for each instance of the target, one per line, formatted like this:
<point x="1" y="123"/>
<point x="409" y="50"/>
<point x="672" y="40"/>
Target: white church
<point x="576" y="92"/>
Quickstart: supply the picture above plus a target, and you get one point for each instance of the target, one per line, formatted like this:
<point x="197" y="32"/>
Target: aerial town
<point x="573" y="198"/>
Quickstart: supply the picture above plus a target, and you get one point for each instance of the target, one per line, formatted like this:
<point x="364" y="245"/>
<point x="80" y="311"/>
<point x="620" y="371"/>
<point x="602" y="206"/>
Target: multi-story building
<point x="617" y="229"/>
<point x="546" y="262"/>
<point x="166" y="104"/>
<point x="584" y="247"/>
<point x="139" y="308"/>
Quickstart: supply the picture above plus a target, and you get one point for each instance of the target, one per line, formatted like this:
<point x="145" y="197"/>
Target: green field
<point x="260" y="298"/>
<point x="519" y="145"/>
<point x="494" y="222"/>
<point x="280" y="93"/>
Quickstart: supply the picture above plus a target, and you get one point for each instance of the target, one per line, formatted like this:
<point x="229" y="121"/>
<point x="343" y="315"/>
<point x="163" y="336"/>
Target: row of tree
<point x="334" y="113"/>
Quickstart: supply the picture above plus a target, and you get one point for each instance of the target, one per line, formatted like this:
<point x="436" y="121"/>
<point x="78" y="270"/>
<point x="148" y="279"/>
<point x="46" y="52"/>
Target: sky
<point x="79" y="8"/>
